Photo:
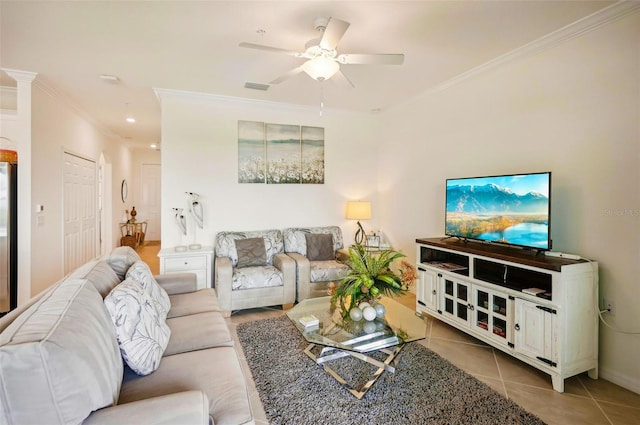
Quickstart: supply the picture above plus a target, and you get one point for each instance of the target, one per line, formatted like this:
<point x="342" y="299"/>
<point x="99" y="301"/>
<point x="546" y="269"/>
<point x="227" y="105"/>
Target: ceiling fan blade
<point x="333" y="33"/>
<point x="294" y="71"/>
<point x="342" y="79"/>
<point x="370" y="59"/>
<point x="270" y="49"/>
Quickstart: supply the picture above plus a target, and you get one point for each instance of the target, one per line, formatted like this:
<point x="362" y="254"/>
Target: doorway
<point x="150" y="197"/>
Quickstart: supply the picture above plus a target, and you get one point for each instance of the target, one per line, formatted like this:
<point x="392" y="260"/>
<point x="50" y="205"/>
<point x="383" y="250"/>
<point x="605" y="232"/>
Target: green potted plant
<point x="371" y="277"/>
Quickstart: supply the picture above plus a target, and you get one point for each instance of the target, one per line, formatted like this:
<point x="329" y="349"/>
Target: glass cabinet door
<point x="491" y="316"/>
<point x="457" y="299"/>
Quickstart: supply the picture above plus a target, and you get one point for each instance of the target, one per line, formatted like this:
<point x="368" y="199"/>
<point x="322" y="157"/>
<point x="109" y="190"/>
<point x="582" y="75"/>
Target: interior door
<point x="80" y="211"/>
<point x="150" y="199"/>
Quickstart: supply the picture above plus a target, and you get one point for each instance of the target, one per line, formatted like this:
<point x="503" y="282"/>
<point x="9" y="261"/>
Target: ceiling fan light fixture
<point x="320" y="68"/>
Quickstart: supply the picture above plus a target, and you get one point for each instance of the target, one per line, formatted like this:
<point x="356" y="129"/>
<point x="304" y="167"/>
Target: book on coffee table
<point x="309" y="321"/>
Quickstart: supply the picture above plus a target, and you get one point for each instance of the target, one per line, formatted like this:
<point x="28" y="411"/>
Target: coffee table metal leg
<point x="324" y="357"/>
<point x="392" y="356"/>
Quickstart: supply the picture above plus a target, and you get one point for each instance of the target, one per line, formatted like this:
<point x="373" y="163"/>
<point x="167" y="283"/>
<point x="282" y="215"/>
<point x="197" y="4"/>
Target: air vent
<point x="256" y="86"/>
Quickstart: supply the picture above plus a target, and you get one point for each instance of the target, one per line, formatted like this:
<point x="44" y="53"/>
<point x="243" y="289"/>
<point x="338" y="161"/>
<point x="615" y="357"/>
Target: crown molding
<point x="242" y="101"/>
<point x="604" y="16"/>
<point x="11" y="90"/>
<point x="18" y="75"/>
<point x="8" y="114"/>
<point x="8" y="99"/>
<point x="73" y="106"/>
<point x="216" y="98"/>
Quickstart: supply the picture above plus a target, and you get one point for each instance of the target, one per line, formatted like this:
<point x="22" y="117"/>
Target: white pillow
<point x="142" y="334"/>
<point x="121" y="259"/>
<point x="140" y="272"/>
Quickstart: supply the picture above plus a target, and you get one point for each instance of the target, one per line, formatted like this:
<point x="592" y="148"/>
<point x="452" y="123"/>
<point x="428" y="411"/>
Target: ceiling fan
<point x="323" y="61"/>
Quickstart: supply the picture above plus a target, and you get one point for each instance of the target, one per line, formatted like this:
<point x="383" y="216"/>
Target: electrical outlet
<point x="609" y="306"/>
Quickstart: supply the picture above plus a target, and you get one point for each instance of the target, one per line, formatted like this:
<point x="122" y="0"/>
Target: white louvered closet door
<point x="80" y="211"/>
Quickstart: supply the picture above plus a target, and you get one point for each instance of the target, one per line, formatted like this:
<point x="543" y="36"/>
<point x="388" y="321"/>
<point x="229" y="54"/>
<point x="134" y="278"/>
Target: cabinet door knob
<point x="433" y="292"/>
<point x="517" y="327"/>
<point x="470" y="307"/>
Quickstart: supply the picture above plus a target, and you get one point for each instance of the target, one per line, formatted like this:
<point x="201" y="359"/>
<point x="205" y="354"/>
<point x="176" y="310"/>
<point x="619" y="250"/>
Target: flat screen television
<point x="509" y="209"/>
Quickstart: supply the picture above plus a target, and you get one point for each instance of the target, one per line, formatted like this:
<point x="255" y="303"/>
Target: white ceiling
<point x="193" y="46"/>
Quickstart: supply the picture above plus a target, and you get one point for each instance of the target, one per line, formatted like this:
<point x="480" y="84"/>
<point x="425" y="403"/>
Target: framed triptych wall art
<point x="280" y="153"/>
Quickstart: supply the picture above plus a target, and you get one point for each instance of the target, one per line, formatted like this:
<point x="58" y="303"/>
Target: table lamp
<point x="359" y="210"/>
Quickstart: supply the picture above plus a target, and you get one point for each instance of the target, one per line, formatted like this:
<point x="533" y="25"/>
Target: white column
<point x="23" y="142"/>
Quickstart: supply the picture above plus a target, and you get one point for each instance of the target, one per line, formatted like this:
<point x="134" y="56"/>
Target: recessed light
<point x="130" y="119"/>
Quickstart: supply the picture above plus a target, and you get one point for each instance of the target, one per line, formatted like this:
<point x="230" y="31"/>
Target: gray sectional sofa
<point x="60" y="361"/>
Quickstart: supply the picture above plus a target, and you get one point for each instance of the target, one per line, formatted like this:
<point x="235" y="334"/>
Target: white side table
<point x="198" y="261"/>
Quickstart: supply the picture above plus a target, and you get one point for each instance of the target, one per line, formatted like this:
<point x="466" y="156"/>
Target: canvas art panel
<point x="251" y="152"/>
<point x="280" y="153"/>
<point x="283" y="153"/>
<point x="312" y="155"/>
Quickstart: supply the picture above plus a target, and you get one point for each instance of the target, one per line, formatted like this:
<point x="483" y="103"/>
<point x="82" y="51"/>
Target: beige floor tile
<point x="574" y="386"/>
<point x="519" y="372"/>
<point x="473" y="359"/>
<point x="556" y="408"/>
<point x="408" y="299"/>
<point x="496" y="384"/>
<point x="607" y="391"/>
<point x="442" y="330"/>
<point x="620" y="415"/>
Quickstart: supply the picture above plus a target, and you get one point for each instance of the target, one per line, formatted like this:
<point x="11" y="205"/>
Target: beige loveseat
<point x="60" y="362"/>
<point x="319" y="261"/>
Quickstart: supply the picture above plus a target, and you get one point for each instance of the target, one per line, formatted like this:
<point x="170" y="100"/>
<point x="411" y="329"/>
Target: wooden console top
<point x="506" y="253"/>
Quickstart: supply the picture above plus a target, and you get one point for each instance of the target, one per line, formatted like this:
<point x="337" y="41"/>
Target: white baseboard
<point x="620" y="379"/>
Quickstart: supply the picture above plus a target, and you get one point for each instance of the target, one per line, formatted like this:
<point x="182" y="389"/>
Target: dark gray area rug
<point x="425" y="389"/>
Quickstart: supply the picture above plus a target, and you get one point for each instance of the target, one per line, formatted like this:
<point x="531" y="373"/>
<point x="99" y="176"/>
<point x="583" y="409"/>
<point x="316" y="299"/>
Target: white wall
<point x="574" y="110"/>
<point x="200" y="154"/>
<point x="56" y="127"/>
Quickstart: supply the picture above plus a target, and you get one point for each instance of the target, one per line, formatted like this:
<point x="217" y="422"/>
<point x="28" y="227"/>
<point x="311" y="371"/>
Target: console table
<point x="137" y="229"/>
<point x="539" y="309"/>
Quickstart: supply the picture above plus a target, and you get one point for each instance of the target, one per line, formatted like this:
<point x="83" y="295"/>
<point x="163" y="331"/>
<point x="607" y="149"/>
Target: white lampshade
<point x="358" y="210"/>
<point x="320" y="68"/>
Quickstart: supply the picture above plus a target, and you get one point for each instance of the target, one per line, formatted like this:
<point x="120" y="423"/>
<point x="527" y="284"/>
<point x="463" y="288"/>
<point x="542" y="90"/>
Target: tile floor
<point x="584" y="402"/>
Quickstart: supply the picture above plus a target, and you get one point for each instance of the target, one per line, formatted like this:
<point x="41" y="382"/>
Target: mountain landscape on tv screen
<point x="493" y="199"/>
<point x="493" y="213"/>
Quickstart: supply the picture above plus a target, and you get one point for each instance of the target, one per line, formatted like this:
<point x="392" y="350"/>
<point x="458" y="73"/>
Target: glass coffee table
<point x="338" y="337"/>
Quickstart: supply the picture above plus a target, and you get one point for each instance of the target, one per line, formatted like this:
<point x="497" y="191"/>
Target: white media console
<point x="486" y="290"/>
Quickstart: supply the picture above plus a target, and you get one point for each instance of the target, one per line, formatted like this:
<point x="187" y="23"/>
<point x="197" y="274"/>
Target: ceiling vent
<point x="256" y="86"/>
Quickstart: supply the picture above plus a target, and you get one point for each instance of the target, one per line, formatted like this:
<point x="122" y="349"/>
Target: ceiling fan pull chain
<point x="321" y="97"/>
